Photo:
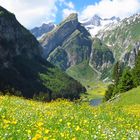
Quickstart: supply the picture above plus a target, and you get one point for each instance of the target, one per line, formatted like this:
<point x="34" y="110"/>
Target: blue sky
<point x="79" y="5"/>
<point x="33" y="13"/>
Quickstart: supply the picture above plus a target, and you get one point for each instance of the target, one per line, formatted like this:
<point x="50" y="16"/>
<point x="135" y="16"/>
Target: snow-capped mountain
<point x="96" y="23"/>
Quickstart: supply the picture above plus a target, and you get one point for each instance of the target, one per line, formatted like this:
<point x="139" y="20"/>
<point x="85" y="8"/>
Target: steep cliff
<point x="123" y="38"/>
<point x="101" y="57"/>
<point x="68" y="44"/>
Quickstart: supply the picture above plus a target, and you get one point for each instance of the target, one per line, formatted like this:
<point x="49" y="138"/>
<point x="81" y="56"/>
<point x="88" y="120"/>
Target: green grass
<point x="130" y="98"/>
<point x="83" y="73"/>
<point x="99" y="45"/>
<point x="22" y="119"/>
<point x="88" y="78"/>
<point x="95" y="90"/>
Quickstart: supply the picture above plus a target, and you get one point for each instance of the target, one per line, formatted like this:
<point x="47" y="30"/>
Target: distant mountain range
<point x="45" y="28"/>
<point x="96" y="23"/>
<point x="95" y="43"/>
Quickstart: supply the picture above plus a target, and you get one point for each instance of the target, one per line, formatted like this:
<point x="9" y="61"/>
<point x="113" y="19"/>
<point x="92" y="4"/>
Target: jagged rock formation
<point x="22" y="67"/>
<point x="68" y="44"/>
<point x="101" y="56"/>
<point x="123" y="39"/>
<point x="96" y="23"/>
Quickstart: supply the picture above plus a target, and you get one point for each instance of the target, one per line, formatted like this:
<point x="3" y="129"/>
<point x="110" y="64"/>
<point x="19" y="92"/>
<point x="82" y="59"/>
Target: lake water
<point x="95" y="102"/>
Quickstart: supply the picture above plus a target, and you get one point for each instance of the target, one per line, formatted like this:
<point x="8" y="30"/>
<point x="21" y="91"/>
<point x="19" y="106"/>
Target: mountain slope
<point x="96" y="23"/>
<point x="83" y="73"/>
<point x="68" y="44"/>
<point x="23" y="69"/>
<point x="123" y="39"/>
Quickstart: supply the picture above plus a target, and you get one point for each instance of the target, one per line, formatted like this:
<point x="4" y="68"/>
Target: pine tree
<point x="136" y="71"/>
<point x="109" y="92"/>
<point x="116" y="72"/>
<point x="126" y="81"/>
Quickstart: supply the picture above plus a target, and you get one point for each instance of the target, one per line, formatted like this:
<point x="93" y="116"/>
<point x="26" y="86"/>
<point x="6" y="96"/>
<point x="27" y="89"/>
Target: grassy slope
<point x="26" y="119"/>
<point x="83" y="73"/>
<point x="95" y="90"/>
<point x="130" y="98"/>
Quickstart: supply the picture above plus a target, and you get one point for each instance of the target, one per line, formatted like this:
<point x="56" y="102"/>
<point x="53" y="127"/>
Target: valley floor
<point x="95" y="90"/>
<point x="22" y="119"/>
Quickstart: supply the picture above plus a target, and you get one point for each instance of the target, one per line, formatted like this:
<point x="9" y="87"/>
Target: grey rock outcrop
<point x="68" y="44"/>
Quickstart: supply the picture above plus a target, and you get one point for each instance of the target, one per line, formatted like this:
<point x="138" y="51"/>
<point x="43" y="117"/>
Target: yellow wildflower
<point x="77" y="128"/>
<point x="47" y="131"/>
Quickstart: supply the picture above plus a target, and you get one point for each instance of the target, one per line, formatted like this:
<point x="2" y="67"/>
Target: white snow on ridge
<point x="96" y="23"/>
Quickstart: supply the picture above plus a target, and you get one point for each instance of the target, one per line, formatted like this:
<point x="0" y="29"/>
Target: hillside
<point x="75" y="121"/>
<point x="23" y="70"/>
<point x="123" y="39"/>
<point x="95" y="23"/>
<point x="70" y="45"/>
<point x="83" y="73"/>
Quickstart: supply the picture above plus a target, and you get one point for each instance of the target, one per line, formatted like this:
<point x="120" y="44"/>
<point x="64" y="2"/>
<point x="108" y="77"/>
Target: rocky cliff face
<point x="129" y="58"/>
<point x="15" y="39"/>
<point x="96" y="23"/>
<point x="122" y="37"/>
<point x="22" y="67"/>
<point x="101" y="57"/>
<point x="68" y="44"/>
<point x="45" y="28"/>
<point x="55" y="38"/>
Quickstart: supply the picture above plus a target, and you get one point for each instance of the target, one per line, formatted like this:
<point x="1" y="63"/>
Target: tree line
<point x="123" y="78"/>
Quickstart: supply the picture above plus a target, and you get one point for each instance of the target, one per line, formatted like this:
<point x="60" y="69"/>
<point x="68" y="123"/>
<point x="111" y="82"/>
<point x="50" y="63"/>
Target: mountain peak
<point x="97" y="17"/>
<point x="73" y="16"/>
<point x="3" y="9"/>
<point x="6" y="14"/>
<point x="115" y="18"/>
<point x="96" y="23"/>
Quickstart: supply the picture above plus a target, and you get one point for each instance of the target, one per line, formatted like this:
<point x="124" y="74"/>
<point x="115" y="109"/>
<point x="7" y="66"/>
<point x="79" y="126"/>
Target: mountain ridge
<point x="96" y="23"/>
<point x="116" y="41"/>
<point x="23" y="70"/>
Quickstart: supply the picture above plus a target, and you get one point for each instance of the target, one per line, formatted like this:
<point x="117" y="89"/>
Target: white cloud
<point x="31" y="12"/>
<point x="70" y="5"/>
<point x="109" y="8"/>
<point x="67" y="12"/>
<point x="70" y="8"/>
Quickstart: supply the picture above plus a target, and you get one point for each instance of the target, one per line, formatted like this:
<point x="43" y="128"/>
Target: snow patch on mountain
<point x="96" y="23"/>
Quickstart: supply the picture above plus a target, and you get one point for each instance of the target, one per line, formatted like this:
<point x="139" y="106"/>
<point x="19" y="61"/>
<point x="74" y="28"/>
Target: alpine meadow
<point x="70" y="70"/>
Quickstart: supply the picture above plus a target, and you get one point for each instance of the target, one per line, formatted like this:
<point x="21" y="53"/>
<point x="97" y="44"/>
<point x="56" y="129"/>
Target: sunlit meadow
<point x="22" y="119"/>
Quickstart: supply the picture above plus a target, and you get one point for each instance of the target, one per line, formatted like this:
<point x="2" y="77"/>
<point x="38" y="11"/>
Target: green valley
<point x="64" y="82"/>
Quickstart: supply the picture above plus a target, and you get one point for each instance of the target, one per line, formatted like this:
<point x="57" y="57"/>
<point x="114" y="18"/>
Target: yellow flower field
<point x="22" y="119"/>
